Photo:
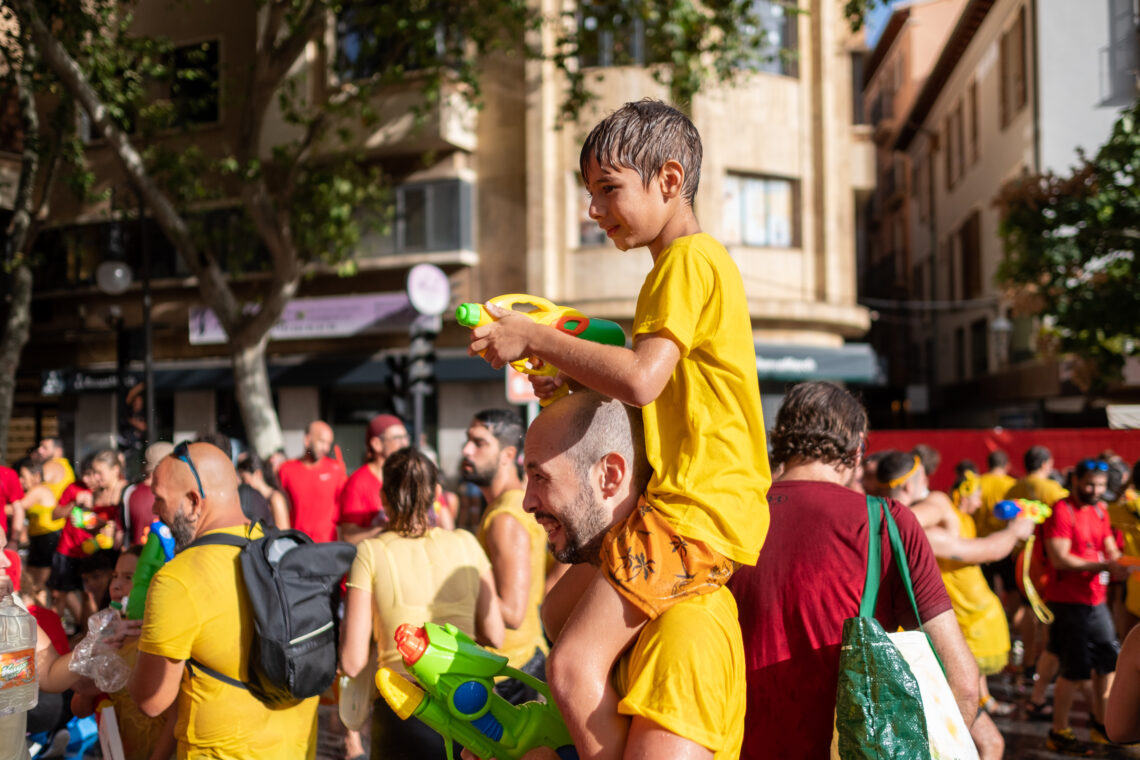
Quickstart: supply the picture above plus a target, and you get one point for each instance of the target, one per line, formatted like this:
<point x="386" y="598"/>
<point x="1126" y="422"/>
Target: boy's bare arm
<point x="634" y="376"/>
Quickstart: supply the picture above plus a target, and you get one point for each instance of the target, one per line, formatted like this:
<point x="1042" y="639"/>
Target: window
<point x="975" y="147"/>
<point x="858" y="66"/>
<point x="429" y="216"/>
<point x="1014" y="92"/>
<point x="970" y="249"/>
<point x="955" y="146"/>
<point x="760" y="211"/>
<point x="948" y="142"/>
<point x="979" y="347"/>
<point x="371" y="42"/>
<point x="194" y="84"/>
<point x="1118" y="68"/>
<point x="608" y="39"/>
<point x="960" y="150"/>
<point x="778" y="27"/>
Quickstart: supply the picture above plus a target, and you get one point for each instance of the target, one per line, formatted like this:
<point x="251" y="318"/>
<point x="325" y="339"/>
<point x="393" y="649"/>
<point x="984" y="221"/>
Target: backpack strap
<point x="216" y="539"/>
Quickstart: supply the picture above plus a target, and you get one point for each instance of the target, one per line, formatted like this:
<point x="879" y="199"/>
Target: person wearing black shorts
<point x="43" y="527"/>
<point x="1080" y="546"/>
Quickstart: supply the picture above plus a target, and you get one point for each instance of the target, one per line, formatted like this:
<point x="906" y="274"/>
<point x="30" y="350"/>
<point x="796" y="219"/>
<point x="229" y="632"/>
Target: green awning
<point x="849" y="363"/>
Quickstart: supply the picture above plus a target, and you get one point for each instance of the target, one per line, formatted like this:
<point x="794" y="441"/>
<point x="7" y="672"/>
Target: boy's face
<point x="631" y="214"/>
<point x="121" y="578"/>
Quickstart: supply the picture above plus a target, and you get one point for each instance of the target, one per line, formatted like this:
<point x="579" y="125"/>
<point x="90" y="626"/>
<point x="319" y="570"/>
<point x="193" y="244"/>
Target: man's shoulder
<point x="698" y="622"/>
<point x="363" y="477"/>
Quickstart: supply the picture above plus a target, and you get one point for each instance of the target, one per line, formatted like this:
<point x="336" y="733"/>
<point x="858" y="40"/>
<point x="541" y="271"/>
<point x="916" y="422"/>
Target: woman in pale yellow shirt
<point x="413" y="573"/>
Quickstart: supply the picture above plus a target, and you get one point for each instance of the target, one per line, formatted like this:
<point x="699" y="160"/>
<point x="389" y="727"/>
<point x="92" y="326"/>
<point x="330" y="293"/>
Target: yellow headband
<point x="904" y="478"/>
<point x="970" y="483"/>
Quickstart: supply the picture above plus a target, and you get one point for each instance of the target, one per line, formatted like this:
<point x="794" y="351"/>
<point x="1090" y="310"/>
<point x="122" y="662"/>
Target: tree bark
<point x="251" y="384"/>
<point x="248" y="336"/>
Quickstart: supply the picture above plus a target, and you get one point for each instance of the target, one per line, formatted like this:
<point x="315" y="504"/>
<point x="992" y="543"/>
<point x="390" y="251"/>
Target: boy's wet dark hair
<point x="643" y="136"/>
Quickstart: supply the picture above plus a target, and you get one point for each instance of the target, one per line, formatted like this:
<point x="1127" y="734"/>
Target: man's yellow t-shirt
<point x="519" y="644"/>
<point x="704" y="434"/>
<point x="197" y="606"/>
<point x="1037" y="488"/>
<point x="994" y="487"/>
<point x="685" y="672"/>
<point x="57" y="487"/>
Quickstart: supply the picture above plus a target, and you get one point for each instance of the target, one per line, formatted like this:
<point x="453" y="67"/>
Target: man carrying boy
<point x="692" y="368"/>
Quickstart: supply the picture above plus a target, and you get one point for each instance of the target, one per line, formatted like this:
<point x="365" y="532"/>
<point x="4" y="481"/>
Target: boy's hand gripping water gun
<point x="1037" y="511"/>
<point x="457" y="697"/>
<point x="562" y="318"/>
<point x="157" y="551"/>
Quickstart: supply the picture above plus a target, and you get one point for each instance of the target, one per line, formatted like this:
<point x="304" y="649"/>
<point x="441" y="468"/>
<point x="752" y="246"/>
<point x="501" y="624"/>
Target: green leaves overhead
<point x="1071" y="253"/>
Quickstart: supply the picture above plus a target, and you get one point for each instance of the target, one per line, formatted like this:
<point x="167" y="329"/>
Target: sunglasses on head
<point x="182" y="453"/>
<point x="1091" y="465"/>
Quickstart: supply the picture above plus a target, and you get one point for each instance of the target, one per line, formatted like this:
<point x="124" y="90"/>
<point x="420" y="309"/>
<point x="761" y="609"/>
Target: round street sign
<point x="429" y="290"/>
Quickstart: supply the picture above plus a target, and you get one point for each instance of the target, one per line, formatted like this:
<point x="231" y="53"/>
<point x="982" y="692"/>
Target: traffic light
<point x="398" y="383"/>
<point x="421" y="357"/>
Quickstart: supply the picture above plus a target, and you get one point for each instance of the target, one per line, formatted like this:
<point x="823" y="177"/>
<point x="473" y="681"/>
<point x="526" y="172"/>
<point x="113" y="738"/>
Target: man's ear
<point x="613" y="471"/>
<point x="671" y="179"/>
<point x="508" y="455"/>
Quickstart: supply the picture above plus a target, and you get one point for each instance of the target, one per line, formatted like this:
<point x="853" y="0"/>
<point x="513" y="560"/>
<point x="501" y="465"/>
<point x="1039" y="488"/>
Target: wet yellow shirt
<point x="704" y="434"/>
<point x="994" y="488"/>
<point x="197" y="606"/>
<point x="519" y="644"/>
<point x="685" y="672"/>
<point x="976" y="607"/>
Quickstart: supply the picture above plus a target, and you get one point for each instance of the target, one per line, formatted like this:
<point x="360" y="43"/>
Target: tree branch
<point x="210" y="277"/>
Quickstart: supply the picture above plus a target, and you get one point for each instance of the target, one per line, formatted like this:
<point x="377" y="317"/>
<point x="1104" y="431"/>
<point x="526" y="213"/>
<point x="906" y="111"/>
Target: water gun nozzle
<point x="411" y="642"/>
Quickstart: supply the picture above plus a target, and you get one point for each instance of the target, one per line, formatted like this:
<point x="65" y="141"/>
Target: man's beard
<point x="481" y="478"/>
<point x="584" y="529"/>
<point x="1087" y="500"/>
<point x="182" y="528"/>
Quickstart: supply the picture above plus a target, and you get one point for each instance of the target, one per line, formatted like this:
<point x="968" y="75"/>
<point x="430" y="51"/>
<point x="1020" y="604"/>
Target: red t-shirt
<point x="313" y="493"/>
<point x="808" y="580"/>
<point x="1086" y="527"/>
<point x="10" y="491"/>
<point x="14" y="568"/>
<point x="141" y="509"/>
<point x="360" y="501"/>
<point x="53" y="627"/>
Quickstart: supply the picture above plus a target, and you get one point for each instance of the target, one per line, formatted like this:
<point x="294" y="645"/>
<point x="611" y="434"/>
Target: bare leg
<point x="1063" y="694"/>
<point x="1047" y="667"/>
<point x="1101" y="686"/>
<point x="602" y="626"/>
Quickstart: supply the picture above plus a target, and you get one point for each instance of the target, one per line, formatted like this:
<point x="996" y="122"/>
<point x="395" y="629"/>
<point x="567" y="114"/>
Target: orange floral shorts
<point x="654" y="567"/>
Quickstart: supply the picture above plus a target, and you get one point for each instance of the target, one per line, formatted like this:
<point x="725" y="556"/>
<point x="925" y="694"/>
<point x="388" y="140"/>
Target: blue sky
<point x="876" y="20"/>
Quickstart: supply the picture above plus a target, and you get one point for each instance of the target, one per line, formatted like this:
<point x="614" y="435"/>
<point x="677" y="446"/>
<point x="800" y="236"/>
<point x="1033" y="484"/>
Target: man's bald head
<point x="318" y="440"/>
<point x="187" y="508"/>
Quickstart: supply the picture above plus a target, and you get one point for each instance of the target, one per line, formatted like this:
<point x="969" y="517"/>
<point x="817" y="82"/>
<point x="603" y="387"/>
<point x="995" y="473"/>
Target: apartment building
<point x="500" y="209"/>
<point x="1018" y="87"/>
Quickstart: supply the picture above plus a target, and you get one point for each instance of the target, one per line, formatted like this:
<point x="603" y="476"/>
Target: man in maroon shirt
<point x="809" y="579"/>
<point x="1083" y="553"/>
<point x="313" y="484"/>
<point x="361" y="510"/>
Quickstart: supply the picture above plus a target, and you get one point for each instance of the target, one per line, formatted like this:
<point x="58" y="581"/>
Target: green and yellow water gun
<point x="561" y="318"/>
<point x="455" y="696"/>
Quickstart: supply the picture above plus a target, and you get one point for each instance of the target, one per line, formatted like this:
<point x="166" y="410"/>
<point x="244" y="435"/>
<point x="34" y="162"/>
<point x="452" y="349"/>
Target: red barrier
<point x="1069" y="446"/>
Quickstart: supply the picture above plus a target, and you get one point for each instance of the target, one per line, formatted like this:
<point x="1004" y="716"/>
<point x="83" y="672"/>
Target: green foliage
<point x="1071" y="252"/>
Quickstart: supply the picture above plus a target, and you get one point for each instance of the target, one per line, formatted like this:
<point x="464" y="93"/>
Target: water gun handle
<point x="408" y="700"/>
<point x="154" y="556"/>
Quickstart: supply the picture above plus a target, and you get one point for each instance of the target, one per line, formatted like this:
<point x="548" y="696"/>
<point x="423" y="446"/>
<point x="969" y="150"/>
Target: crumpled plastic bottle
<point x="95" y="658"/>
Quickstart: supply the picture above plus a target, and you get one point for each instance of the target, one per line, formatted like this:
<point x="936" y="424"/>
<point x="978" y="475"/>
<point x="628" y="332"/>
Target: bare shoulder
<point x="935" y="510"/>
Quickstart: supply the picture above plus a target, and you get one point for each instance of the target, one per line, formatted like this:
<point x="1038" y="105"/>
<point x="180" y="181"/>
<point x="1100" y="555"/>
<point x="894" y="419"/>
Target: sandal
<point x="1034" y="711"/>
<point x="995" y="708"/>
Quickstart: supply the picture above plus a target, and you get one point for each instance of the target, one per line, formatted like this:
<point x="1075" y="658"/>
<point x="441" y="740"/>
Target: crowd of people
<point x="678" y="574"/>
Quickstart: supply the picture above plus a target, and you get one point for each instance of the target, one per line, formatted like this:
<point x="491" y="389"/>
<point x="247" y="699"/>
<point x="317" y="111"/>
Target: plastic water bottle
<point x="19" y="684"/>
<point x="94" y="658"/>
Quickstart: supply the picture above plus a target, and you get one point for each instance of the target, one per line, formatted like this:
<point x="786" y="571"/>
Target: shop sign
<point x="57" y="382"/>
<point x="309" y="318"/>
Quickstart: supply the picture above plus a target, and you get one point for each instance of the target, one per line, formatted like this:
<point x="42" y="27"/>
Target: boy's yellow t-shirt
<point x="686" y="673"/>
<point x="704" y="435"/>
<point x="193" y="607"/>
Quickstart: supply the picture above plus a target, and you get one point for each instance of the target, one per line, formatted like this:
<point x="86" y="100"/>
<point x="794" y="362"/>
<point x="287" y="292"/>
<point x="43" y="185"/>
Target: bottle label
<point x="17" y="668"/>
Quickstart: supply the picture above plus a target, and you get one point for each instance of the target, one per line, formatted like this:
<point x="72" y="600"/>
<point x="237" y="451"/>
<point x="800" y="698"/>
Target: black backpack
<point x="294" y="590"/>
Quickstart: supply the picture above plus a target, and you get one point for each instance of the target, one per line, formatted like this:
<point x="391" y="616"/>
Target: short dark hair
<point x="929" y="457"/>
<point x="409" y="480"/>
<point x="31" y="465"/>
<point x="221" y="440"/>
<point x="506" y="425"/>
<point x="997" y="458"/>
<point x="643" y="136"/>
<point x="896" y="465"/>
<point x="250" y="462"/>
<point x="964" y="466"/>
<point x="1035" y="458"/>
<point x="819" y="421"/>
